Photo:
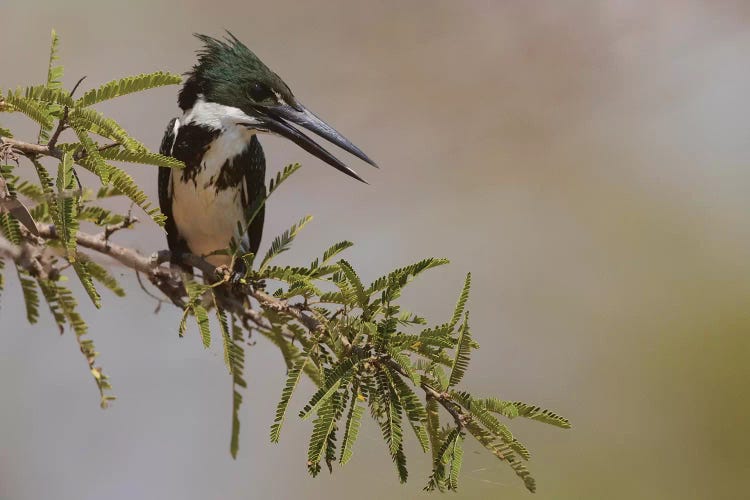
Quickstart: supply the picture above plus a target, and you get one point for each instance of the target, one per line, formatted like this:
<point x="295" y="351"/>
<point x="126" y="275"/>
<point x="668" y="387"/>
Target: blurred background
<point x="588" y="161"/>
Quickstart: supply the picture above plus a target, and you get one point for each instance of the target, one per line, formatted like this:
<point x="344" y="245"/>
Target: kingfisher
<point x="228" y="99"/>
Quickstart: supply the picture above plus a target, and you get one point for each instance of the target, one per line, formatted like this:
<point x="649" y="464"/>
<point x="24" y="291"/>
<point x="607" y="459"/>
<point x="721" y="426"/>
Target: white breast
<point x="205" y="218"/>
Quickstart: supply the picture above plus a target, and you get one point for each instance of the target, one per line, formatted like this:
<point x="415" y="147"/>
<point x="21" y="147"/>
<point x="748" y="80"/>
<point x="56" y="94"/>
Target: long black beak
<point x="276" y="120"/>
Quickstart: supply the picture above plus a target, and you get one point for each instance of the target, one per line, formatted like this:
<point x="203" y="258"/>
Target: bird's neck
<point x="217" y="116"/>
<point x="209" y="139"/>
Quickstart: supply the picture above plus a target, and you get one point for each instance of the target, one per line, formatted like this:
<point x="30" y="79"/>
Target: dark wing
<point x="175" y="243"/>
<point x="253" y="162"/>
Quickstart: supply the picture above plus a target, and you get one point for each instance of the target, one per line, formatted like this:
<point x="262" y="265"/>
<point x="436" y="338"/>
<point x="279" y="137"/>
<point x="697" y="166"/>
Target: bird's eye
<point x="259" y="92"/>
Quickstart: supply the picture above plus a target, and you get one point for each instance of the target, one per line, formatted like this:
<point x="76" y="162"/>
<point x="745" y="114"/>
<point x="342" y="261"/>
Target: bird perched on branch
<point x="230" y="98"/>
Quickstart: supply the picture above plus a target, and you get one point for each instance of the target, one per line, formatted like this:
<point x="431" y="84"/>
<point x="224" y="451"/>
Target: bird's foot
<point x="233" y="277"/>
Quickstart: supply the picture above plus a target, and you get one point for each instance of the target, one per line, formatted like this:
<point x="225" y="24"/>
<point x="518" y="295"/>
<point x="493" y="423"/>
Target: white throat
<point x="217" y="116"/>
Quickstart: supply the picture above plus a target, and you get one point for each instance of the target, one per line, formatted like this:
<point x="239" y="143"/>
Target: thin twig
<point x="61" y="125"/>
<point x="111" y="229"/>
<point x="75" y="87"/>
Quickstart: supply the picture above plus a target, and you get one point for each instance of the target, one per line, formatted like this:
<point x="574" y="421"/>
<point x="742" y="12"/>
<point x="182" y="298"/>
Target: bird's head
<point x="230" y="82"/>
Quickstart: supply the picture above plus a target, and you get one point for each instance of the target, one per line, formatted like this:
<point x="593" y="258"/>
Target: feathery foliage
<point x="541" y="415"/>
<point x="39" y="112"/>
<point x="292" y="379"/>
<point x="119" y="153"/>
<point x="463" y="352"/>
<point x="49" y="102"/>
<point x="128" y="85"/>
<point x="30" y="296"/>
<point x="281" y="243"/>
<point x="103" y="276"/>
<point x="54" y="78"/>
<point x="67" y="216"/>
<point x="351" y="432"/>
<point x="352" y="339"/>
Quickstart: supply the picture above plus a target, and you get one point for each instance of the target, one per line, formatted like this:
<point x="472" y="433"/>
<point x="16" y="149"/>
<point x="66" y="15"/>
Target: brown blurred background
<point x="588" y="161"/>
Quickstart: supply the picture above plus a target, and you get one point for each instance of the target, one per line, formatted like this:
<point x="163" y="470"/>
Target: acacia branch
<point x="171" y="284"/>
<point x="30" y="150"/>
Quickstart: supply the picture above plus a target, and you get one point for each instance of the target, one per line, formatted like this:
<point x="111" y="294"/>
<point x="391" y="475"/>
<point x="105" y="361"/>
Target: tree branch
<point x="172" y="286"/>
<point x="29" y="149"/>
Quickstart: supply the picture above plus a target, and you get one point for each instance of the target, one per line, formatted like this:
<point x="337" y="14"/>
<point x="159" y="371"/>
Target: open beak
<point x="276" y="118"/>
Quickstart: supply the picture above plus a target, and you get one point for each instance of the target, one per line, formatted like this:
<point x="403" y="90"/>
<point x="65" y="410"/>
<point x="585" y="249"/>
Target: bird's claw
<point x="237" y="279"/>
<point x="231" y="276"/>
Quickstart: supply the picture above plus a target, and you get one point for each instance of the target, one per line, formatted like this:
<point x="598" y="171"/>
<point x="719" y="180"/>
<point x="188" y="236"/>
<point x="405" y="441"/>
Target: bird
<point x="229" y="99"/>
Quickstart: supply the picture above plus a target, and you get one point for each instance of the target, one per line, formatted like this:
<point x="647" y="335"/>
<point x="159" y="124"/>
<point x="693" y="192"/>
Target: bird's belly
<point x="206" y="219"/>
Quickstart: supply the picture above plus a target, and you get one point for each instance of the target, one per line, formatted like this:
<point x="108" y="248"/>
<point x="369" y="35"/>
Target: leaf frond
<point x="128" y="85"/>
<point x="292" y="379"/>
<point x="534" y="412"/>
<point x="463" y="352"/>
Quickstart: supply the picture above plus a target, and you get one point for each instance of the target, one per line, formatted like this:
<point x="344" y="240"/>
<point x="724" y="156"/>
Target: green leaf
<point x="82" y="270"/>
<point x="93" y="160"/>
<point x="414" y="409"/>
<point x="234" y="355"/>
<point x="100" y="274"/>
<point x="476" y="408"/>
<point x="142" y="157"/>
<point x="505" y="408"/>
<point x="107" y="192"/>
<point x="440" y="375"/>
<point x="234" y="443"/>
<point x="4" y="132"/>
<point x="335" y="250"/>
<point x="124" y="184"/>
<point x="54" y="73"/>
<point x="260" y="202"/>
<point x="195" y="293"/>
<point x="10" y="228"/>
<point x="503" y="451"/>
<point x="438" y="479"/>
<point x="322" y="428"/>
<point x="463" y="352"/>
<point x="281" y="243"/>
<point x="405" y="363"/>
<point x="541" y="415"/>
<point x="292" y="379"/>
<point x="337" y="377"/>
<point x="35" y="110"/>
<point x="45" y="180"/>
<point x="461" y="304"/>
<point x="67" y="220"/>
<point x="356" y="283"/>
<point x="201" y="318"/>
<point x="432" y="424"/>
<point x="99" y="216"/>
<point x="54" y="98"/>
<point x="282" y="176"/>
<point x="519" y="448"/>
<point x="64" y="300"/>
<point x="394" y="281"/>
<point x="95" y="122"/>
<point x="389" y="406"/>
<point x="456" y="459"/>
<point x="31" y="191"/>
<point x="30" y="296"/>
<point x="128" y="85"/>
<point x="49" y="291"/>
<point x="69" y="306"/>
<point x="351" y="430"/>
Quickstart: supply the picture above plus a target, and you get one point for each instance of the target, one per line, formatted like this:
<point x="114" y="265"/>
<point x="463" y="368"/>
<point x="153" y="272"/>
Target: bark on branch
<point x="28" y="257"/>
